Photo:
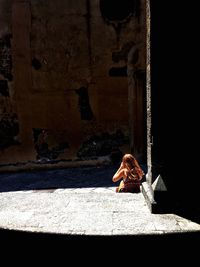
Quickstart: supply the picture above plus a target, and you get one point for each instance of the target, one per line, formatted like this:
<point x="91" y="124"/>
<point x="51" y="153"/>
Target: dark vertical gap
<point x="88" y="20"/>
<point x="117" y="26"/>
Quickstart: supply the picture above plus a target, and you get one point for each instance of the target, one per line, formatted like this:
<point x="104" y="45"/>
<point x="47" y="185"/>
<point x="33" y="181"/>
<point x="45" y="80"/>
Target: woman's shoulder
<point x="126" y="172"/>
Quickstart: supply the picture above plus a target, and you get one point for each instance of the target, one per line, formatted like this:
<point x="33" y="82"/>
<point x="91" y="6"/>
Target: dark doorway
<point x="173" y="106"/>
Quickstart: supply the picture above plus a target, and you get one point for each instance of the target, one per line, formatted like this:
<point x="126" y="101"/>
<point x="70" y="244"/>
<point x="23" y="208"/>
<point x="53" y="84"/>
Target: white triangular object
<point x="158" y="184"/>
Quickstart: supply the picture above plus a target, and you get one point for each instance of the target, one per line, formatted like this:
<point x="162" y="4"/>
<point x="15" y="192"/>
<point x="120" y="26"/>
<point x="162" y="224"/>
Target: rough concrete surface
<point x="80" y="202"/>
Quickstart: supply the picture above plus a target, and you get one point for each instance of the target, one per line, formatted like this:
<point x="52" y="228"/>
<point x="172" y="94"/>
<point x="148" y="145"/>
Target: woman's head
<point x="128" y="159"/>
<point x="131" y="163"/>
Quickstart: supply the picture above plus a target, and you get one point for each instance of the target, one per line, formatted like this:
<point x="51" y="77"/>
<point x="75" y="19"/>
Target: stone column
<point x="133" y="99"/>
<point x="155" y="193"/>
<point x="147" y="189"/>
<point x="148" y="88"/>
<point x="21" y="52"/>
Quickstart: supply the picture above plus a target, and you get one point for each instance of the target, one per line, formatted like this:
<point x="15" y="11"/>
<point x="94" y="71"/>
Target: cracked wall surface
<point x="51" y="50"/>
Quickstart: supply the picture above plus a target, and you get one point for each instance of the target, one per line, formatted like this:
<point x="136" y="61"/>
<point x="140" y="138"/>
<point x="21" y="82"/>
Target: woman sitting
<point x="131" y="174"/>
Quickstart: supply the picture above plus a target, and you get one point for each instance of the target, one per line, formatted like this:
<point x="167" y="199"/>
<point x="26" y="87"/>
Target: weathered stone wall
<point x="9" y="126"/>
<point x="63" y="81"/>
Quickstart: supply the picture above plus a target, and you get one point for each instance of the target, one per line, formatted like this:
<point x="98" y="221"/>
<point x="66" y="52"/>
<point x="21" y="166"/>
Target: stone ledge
<point x="147" y="192"/>
<point x="157" y="202"/>
<point x="32" y="166"/>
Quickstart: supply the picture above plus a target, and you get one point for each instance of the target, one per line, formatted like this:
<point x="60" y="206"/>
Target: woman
<point x="131" y="173"/>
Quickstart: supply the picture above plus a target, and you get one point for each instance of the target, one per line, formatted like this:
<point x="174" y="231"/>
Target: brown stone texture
<point x="58" y="47"/>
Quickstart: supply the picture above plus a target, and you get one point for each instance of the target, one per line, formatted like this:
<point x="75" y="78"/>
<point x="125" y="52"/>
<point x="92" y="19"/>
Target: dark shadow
<point x="59" y="178"/>
<point x="175" y="105"/>
<point x="188" y="212"/>
<point x="51" y="240"/>
<point x="185" y="202"/>
<point x="118" y="71"/>
<point x="51" y="180"/>
<point x="185" y="205"/>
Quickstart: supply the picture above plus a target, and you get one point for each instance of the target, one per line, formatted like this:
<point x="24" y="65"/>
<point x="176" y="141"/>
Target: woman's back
<point x="131" y="181"/>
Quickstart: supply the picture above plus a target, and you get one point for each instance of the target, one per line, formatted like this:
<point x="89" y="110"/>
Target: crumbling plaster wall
<point x="60" y="83"/>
